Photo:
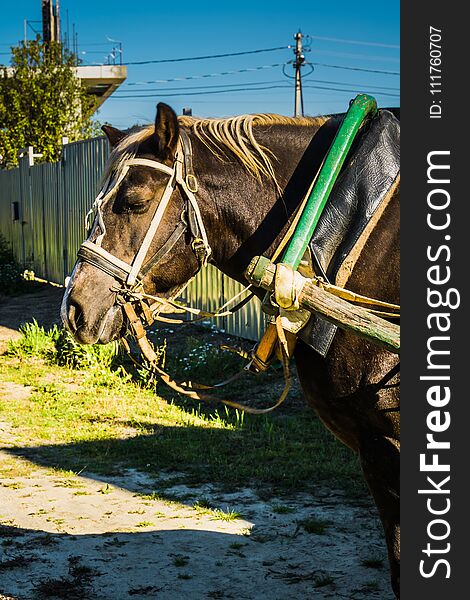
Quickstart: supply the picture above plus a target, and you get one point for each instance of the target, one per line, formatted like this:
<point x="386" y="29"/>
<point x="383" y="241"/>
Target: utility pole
<point x="299" y="61"/>
<point x="50" y="21"/>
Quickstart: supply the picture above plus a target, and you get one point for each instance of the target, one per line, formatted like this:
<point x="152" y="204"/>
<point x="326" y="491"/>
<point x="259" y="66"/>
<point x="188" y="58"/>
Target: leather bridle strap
<point x="167" y="247"/>
<point x="152" y="230"/>
<point x="107" y="262"/>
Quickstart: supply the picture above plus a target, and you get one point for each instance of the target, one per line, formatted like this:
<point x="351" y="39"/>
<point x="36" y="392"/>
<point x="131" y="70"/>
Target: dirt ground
<point x="111" y="538"/>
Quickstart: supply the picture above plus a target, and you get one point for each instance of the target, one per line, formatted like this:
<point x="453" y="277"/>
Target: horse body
<point x="354" y="388"/>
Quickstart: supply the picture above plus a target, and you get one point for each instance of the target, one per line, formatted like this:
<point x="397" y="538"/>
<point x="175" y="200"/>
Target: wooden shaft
<point x="346" y="316"/>
<point x="266" y="347"/>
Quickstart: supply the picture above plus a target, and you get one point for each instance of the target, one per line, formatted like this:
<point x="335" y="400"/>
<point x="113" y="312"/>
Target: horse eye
<point x="136" y="203"/>
<point x="137" y="206"/>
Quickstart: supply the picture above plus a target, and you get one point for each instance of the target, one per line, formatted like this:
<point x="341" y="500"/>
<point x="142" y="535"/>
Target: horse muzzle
<point x="92" y="318"/>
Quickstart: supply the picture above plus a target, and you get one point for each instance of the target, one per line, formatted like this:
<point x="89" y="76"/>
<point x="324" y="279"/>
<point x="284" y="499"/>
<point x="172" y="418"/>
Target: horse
<point x="245" y="177"/>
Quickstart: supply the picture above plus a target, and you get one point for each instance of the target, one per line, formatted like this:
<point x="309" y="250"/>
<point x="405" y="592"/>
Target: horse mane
<point x="232" y="134"/>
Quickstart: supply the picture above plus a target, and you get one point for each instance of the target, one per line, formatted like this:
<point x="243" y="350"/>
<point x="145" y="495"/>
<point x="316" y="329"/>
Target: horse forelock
<point x="125" y="150"/>
<point x="219" y="135"/>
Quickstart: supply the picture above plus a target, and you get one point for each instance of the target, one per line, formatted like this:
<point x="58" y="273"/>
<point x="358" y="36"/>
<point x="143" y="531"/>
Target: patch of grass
<point x="184" y="576"/>
<point x="14" y="485"/>
<point x="34" y="341"/>
<point x="145" y="524"/>
<point x="282" y="509"/>
<point x="370" y="586"/>
<point x="225" y="515"/>
<point x="312" y="525"/>
<point x="57" y="346"/>
<point x="76" y="585"/>
<point x="236" y="546"/>
<point x="372" y="563"/>
<point x="323" y="580"/>
<point x="10" y="270"/>
<point x="57" y="521"/>
<point x="216" y="594"/>
<point x="203" y="505"/>
<point x="143" y="590"/>
<point x="41" y="511"/>
<point x="68" y="483"/>
<point x="17" y="562"/>
<point x="46" y="539"/>
<point x="180" y="560"/>
<point x="77" y="356"/>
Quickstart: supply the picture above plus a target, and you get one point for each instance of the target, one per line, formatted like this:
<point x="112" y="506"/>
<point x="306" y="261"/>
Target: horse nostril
<point x="74" y="315"/>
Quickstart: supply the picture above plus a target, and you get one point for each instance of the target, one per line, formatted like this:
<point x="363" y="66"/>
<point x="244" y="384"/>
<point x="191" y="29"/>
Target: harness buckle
<point x="191" y="183"/>
<point x="200" y="250"/>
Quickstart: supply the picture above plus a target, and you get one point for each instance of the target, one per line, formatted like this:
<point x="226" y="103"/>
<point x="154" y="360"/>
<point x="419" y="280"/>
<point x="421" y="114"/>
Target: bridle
<point x="181" y="176"/>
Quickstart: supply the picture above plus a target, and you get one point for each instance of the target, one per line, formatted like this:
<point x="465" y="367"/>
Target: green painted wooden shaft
<point x="360" y="108"/>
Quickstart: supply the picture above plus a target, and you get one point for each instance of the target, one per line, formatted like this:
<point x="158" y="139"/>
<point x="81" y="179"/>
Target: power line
<point x="259" y="68"/>
<point x="201" y="87"/>
<point x="358" y="42"/>
<point x="189" y="77"/>
<point x="223" y="91"/>
<point x="237" y="85"/>
<point x="188" y="58"/>
<point x="374" y="57"/>
<point x="250" y="89"/>
<point x="354" y="68"/>
<point x="357" y="89"/>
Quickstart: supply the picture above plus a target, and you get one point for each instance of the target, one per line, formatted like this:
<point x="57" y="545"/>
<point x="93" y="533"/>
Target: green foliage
<point x="10" y="269"/>
<point x="34" y="341"/>
<point x="313" y="525"/>
<point x="57" y="346"/>
<point x="77" y="356"/>
<point x="41" y="100"/>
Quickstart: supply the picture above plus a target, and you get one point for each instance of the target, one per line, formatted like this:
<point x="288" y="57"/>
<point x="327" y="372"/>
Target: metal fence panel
<point x="83" y="163"/>
<point x="54" y="199"/>
<point x="26" y="214"/>
<point x="10" y="192"/>
<point x="53" y="217"/>
<point x="36" y="216"/>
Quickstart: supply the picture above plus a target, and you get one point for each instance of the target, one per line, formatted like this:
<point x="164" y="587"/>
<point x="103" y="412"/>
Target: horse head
<point x="145" y="209"/>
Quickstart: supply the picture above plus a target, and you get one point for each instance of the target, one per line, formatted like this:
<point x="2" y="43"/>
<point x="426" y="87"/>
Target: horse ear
<point x="166" y="130"/>
<point x="114" y="135"/>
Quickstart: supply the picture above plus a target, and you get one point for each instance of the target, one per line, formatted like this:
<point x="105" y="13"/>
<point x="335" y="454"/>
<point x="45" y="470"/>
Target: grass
<point x="236" y="546"/>
<point x="228" y="515"/>
<point x="145" y="524"/>
<point x="17" y="562"/>
<point x="323" y="580"/>
<point x="373" y="563"/>
<point x="180" y="561"/>
<point x="282" y="509"/>
<point x="312" y="525"/>
<point x="13" y="278"/>
<point x="102" y="418"/>
<point x="76" y="585"/>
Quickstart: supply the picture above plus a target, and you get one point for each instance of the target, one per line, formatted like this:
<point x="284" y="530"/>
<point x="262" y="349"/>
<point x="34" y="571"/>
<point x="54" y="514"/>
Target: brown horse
<point x="251" y="173"/>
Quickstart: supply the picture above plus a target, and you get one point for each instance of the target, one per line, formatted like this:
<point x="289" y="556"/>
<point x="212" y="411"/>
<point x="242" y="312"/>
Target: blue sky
<point x="366" y="33"/>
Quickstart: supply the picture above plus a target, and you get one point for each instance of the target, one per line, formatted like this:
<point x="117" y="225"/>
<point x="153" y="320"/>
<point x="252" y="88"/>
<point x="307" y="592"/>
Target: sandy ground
<point x="88" y="537"/>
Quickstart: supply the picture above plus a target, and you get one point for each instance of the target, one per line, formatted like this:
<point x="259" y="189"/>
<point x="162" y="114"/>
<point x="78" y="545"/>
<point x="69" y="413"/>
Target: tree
<point x="41" y="101"/>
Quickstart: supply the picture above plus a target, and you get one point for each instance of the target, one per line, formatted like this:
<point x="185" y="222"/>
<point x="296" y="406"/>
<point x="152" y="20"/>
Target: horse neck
<point x="247" y="216"/>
